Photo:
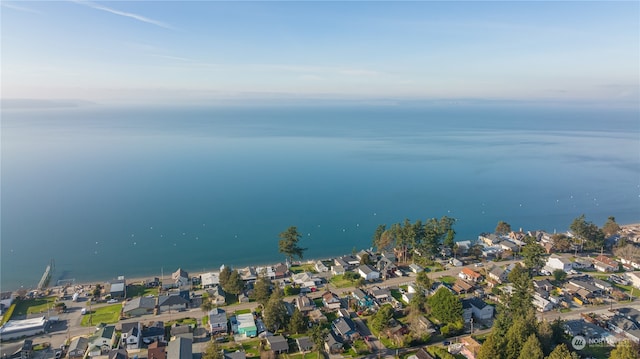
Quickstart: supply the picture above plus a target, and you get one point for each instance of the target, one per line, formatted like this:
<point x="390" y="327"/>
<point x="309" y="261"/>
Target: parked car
<point x="111" y="301"/>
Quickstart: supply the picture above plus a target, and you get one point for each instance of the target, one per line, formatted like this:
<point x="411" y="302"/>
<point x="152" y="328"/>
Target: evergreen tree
<point x="261" y="290"/>
<point x="503" y="228"/>
<point x="610" y="227"/>
<point x="532" y="349"/>
<point x="318" y="335"/>
<point x="560" y="352"/>
<point x="533" y="254"/>
<point x="298" y="322"/>
<point x="275" y="312"/>
<point x="545" y="336"/>
<point x="520" y="299"/>
<point x="382" y="318"/>
<point x="234" y="283"/>
<point x="288" y="244"/>
<point x="625" y="350"/>
<point x="224" y="276"/>
<point x="445" y="306"/>
<point x="516" y="337"/>
<point x="490" y="349"/>
<point x="423" y="281"/>
<point x="377" y="236"/>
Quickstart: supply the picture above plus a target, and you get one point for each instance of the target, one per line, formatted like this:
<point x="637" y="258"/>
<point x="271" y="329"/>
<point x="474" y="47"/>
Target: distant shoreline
<point x="140" y="279"/>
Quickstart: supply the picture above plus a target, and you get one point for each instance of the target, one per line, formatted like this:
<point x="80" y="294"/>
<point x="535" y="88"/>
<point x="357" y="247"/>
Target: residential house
<point x="217" y="295"/>
<point x="368" y="273"/>
<point x="316" y="316"/>
<point x="78" y="348"/>
<point x="635" y="264"/>
<point x="461" y="287"/>
<point x="470" y="275"/>
<point x="333" y="343"/>
<point x="389" y="255"/>
<point x="456" y="262"/>
<point x="363" y="299"/>
<point x="248" y="274"/>
<point x="622" y="325"/>
<point x="235" y="355"/>
<point x="321" y="267"/>
<point x="104" y="339"/>
<point x="246" y="325"/>
<point x="591" y="332"/>
<point x="345" y="328"/>
<point x="509" y="246"/>
<point x="603" y="263"/>
<point x="304" y="304"/>
<point x="582" y="263"/>
<point x="118" y="354"/>
<point x="415" y="268"/>
<point x="180" y="278"/>
<point x="386" y="267"/>
<point x="131" y="335"/>
<point x="406" y="296"/>
<point x="6" y="298"/>
<point x="172" y="302"/>
<point x="278" y="344"/>
<point x="541" y="304"/>
<point x="304" y="344"/>
<point x="217" y="321"/>
<point x="185" y="331"/>
<point x="634" y="278"/>
<point x="489" y="252"/>
<point x="420" y="354"/>
<point x="489" y="239"/>
<point x="26" y="351"/>
<point x="543" y="284"/>
<point x="498" y="274"/>
<point x="157" y="350"/>
<point x="556" y="262"/>
<point x="480" y="309"/>
<point x="306" y="280"/>
<point x="337" y="269"/>
<point x="425" y="325"/>
<point x="363" y="254"/>
<point x="467" y="311"/>
<point x="470" y="347"/>
<point x="153" y="332"/>
<point x="118" y="288"/>
<point x="139" y="306"/>
<point x="281" y="270"/>
<point x="381" y="295"/>
<point x="180" y="348"/>
<point x="351" y="261"/>
<point x="397" y="333"/>
<point x="341" y="263"/>
<point x="331" y="300"/>
<point x="210" y="280"/>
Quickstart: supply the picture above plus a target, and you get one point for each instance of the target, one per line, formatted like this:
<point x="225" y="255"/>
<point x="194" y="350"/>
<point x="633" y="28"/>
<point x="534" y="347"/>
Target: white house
<point x="131" y="335"/>
<point x="634" y="278"/>
<point x="368" y="273"/>
<point x="320" y="267"/>
<point x="415" y="268"/>
<point x="556" y="262"/>
<point x="210" y="279"/>
<point x="180" y="278"/>
<point x="479" y="309"/>
<point x="541" y="304"/>
<point x="337" y="269"/>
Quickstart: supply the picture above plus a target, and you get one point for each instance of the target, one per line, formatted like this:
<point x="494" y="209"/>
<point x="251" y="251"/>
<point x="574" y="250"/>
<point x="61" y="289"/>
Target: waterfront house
<point x="180" y="348"/>
<point x="131" y="335"/>
<point x="118" y="288"/>
<point x="210" y="280"/>
<point x="278" y="344"/>
<point x="180" y="278"/>
<point x="248" y="274"/>
<point x="139" y="306"/>
<point x="341" y="262"/>
<point x="281" y="270"/>
<point x="489" y="239"/>
<point x="217" y="321"/>
<point x="351" y="260"/>
<point x="368" y="273"/>
<point x="321" y="267"/>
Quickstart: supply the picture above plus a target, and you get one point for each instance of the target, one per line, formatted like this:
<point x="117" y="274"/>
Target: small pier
<point x="46" y="276"/>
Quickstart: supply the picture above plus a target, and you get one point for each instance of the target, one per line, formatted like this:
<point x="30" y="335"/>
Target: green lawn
<point x="397" y="295"/>
<point x="598" y="352"/>
<point x="205" y="320"/>
<point x="310" y="355"/>
<point x="309" y="267"/>
<point x="252" y="347"/>
<point x="340" y="282"/>
<point x="243" y="311"/>
<point x="182" y="321"/>
<point x="109" y="314"/>
<point x="33" y="306"/>
<point x="138" y="290"/>
<point x="360" y="347"/>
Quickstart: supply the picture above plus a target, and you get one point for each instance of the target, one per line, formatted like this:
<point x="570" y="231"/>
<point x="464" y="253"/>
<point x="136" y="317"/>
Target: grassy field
<point x="340" y="282"/>
<point x="310" y="355"/>
<point x="308" y="267"/>
<point x="243" y="311"/>
<point x="33" y="306"/>
<point x="448" y="279"/>
<point x="182" y="321"/>
<point x="109" y="314"/>
<point x="252" y="347"/>
<point x="139" y="290"/>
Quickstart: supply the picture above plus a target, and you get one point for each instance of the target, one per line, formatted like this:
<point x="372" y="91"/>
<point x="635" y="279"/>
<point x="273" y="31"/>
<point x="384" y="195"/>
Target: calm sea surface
<point x="134" y="191"/>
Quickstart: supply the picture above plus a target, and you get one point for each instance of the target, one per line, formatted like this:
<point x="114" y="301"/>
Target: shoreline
<point x="634" y="227"/>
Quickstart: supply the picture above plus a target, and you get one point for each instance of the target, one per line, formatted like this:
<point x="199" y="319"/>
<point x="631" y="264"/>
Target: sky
<point x="199" y="51"/>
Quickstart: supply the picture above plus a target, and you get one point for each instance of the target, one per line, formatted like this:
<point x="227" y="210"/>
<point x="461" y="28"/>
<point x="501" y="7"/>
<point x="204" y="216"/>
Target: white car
<point x="111" y="301"/>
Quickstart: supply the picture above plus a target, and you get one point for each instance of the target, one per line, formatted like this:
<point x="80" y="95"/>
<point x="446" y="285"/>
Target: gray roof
<point x="217" y="315"/>
<point x="366" y="269"/>
<point x="630" y="313"/>
<point x="117" y="287"/>
<point x="79" y="343"/>
<point x="344" y="326"/>
<point x="180" y="348"/>
<point x="140" y="303"/>
<point x="235" y="355"/>
<point x="304" y="342"/>
<point x="477" y="302"/>
<point x="278" y="343"/>
<point x="173" y="299"/>
<point x="130" y="328"/>
<point x="118" y="354"/>
<point x="358" y="293"/>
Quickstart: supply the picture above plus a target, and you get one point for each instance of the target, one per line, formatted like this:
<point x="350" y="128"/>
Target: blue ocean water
<point x="108" y="191"/>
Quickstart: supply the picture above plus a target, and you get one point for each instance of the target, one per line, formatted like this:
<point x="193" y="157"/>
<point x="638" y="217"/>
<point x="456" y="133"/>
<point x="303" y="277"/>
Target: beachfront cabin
<point x="210" y="280"/>
<point x="118" y="289"/>
<point x="321" y="267"/>
<point x="246" y="325"/>
<point x="180" y="278"/>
